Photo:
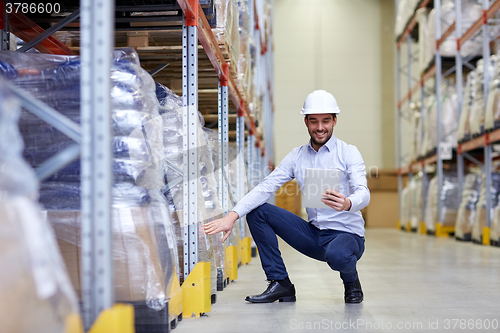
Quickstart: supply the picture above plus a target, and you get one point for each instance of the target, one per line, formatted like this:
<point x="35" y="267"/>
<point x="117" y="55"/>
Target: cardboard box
<point x="289" y="197"/>
<point x="137" y="266"/>
<point x="382" y="180"/>
<point x="383" y="210"/>
<point x="25" y="305"/>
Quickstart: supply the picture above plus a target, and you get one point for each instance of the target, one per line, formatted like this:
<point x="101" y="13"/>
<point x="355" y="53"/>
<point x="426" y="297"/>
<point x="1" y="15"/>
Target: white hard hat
<point x="320" y="101"/>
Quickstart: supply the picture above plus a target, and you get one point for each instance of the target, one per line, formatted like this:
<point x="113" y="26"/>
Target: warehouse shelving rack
<point x="485" y="140"/>
<point x="97" y="39"/>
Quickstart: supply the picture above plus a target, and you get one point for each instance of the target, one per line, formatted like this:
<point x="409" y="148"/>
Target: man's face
<point x="320" y="127"/>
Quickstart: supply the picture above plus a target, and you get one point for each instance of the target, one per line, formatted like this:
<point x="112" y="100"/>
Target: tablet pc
<point x="316" y="182"/>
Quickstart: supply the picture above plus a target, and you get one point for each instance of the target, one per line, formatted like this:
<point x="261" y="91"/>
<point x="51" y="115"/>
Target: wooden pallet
<point x="226" y="52"/>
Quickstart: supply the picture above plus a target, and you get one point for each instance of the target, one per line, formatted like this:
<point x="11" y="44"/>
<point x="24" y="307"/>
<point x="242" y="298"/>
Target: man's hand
<point x="224" y="224"/>
<point x="336" y="200"/>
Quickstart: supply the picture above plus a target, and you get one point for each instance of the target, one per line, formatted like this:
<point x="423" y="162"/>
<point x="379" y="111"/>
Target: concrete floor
<point x="411" y="282"/>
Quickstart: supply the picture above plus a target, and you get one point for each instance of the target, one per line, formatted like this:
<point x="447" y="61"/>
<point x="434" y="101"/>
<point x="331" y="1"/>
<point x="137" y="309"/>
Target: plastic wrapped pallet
<point x="227" y="30"/>
<point x="245" y="71"/>
<point x="450" y="199"/>
<point x="208" y="203"/>
<point x="449" y="121"/>
<point x="464" y="133"/>
<point x="405" y="211"/>
<point x="212" y="138"/>
<point x="480" y="217"/>
<point x="429" y="104"/>
<point x="449" y="117"/>
<point x="415" y="186"/>
<point x="421" y="15"/>
<point x="431" y="206"/>
<point x="143" y="239"/>
<point x="416" y="136"/>
<point x="405" y="10"/>
<point x="467" y="209"/>
<point x="495" y="227"/>
<point x="471" y="12"/>
<point x="36" y="290"/>
<point x="477" y="113"/>
<point x="492" y="113"/>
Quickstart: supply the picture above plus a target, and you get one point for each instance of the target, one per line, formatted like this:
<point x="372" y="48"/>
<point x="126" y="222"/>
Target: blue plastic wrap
<point x="16" y="177"/>
<point x="136" y="123"/>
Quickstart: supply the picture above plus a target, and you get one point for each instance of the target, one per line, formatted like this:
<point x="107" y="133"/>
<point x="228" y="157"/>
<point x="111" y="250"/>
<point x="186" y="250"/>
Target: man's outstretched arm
<point x="255" y="198"/>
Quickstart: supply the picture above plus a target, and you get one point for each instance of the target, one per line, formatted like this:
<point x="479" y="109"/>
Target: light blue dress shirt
<point x="335" y="154"/>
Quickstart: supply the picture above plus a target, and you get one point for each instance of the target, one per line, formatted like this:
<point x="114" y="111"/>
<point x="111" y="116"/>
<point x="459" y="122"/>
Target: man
<point x="334" y="234"/>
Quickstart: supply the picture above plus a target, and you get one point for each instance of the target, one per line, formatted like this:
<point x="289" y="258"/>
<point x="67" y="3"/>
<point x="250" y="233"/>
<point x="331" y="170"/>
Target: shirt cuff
<point x="354" y="205"/>
<point x="238" y="210"/>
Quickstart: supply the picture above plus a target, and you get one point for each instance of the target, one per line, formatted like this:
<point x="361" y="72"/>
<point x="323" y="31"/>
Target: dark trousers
<point x="340" y="249"/>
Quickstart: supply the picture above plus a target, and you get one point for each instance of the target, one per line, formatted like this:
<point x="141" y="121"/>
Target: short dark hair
<point x="334" y="115"/>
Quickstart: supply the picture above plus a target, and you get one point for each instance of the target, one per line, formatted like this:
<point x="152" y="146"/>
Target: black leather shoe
<point x="274" y="292"/>
<point x="353" y="293"/>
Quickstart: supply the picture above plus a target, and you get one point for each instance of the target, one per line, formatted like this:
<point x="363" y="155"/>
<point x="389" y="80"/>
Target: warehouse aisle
<point x="412" y="283"/>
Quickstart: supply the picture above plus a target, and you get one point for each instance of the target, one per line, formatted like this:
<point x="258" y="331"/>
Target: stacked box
<point x="34" y="284"/>
<point x="289" y="197"/>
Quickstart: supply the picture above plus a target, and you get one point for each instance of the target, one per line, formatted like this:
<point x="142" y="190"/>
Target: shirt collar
<point x="330" y="144"/>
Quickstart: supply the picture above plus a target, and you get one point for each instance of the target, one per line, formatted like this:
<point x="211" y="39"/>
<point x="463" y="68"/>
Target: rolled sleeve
<point x="267" y="187"/>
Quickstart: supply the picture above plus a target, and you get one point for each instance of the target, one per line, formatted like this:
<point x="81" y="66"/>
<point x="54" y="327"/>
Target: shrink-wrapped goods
<point x="450" y="202"/>
<point x="480" y="217"/>
<point x="209" y="207"/>
<point x="227" y="28"/>
<point x="495" y="227"/>
<point x="492" y="113"/>
<point x="36" y="290"/>
<point x="471" y="12"/>
<point x="212" y="138"/>
<point x="245" y="69"/>
<point x="464" y="133"/>
<point x="415" y="186"/>
<point x="418" y="134"/>
<point x="449" y="121"/>
<point x="477" y="113"/>
<point x="467" y="209"/>
<point x="405" y="10"/>
<point x="405" y="210"/>
<point x="429" y="104"/>
<point x="142" y="232"/>
<point x="422" y="14"/>
<point x="431" y="206"/>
